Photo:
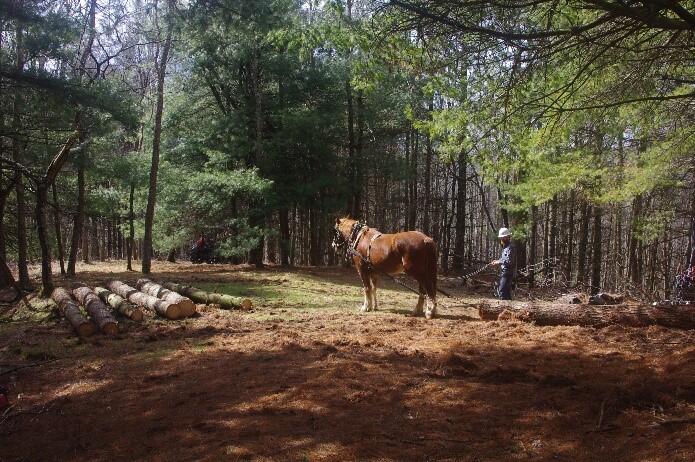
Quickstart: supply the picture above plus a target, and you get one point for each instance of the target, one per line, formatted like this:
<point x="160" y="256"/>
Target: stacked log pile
<point x="98" y="312"/>
<point x="151" y="288"/>
<point x="119" y="304"/>
<point x="201" y="296"/>
<point x="163" y="308"/>
<point x="678" y="316"/>
<point x="69" y="309"/>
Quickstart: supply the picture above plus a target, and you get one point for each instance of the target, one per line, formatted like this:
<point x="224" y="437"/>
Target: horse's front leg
<point x="372" y="287"/>
<point x="367" y="288"/>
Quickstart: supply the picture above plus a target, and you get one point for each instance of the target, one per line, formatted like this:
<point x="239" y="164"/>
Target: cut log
<point x="229" y="301"/>
<point x="678" y="316"/>
<point x="197" y="295"/>
<point x="603" y="298"/>
<point x="151" y="288"/>
<point x="68" y="308"/>
<point x="119" y="304"/>
<point x="100" y="313"/>
<point x="571" y="299"/>
<point x="161" y="307"/>
<point x="200" y="296"/>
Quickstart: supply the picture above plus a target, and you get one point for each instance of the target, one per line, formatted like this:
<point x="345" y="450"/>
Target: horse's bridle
<point x="339" y="240"/>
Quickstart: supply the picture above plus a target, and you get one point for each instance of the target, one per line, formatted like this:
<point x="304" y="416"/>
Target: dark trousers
<point x="504" y="291"/>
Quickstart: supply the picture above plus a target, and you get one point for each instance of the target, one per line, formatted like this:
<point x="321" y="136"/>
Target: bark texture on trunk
<point x="78" y="221"/>
<point x="119" y="304"/>
<point x="161" y="307"/>
<point x="151" y="288"/>
<point x="99" y="312"/>
<point x="156" y="142"/>
<point x="201" y="296"/>
<point x="69" y="309"/>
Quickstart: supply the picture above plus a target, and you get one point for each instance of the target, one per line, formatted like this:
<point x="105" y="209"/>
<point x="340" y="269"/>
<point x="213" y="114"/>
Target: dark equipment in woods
<point x="203" y="251"/>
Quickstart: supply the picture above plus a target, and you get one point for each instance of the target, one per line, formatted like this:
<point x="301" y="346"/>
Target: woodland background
<point x="129" y="128"/>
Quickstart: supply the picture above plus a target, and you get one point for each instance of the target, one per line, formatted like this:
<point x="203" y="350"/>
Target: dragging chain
<point x="352" y="251"/>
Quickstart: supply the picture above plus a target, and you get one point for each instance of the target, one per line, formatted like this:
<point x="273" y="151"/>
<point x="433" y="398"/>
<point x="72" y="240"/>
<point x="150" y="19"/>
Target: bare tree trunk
<point x="284" y="237"/>
<point x="634" y="269"/>
<point x="156" y="142"/>
<point x="78" y="220"/>
<point x="428" y="181"/>
<point x="533" y="245"/>
<point x="85" y="240"/>
<point x="56" y="223"/>
<point x="412" y="212"/>
<point x="596" y="253"/>
<point x="570" y="239"/>
<point x="460" y="243"/>
<point x="131" y="226"/>
<point x="583" y="242"/>
<point x="17" y="154"/>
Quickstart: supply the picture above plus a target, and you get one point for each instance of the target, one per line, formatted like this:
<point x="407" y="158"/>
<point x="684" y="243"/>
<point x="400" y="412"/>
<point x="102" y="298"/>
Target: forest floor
<point x="305" y="377"/>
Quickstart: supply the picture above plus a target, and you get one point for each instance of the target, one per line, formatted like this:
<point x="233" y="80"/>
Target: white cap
<point x="504" y="232"/>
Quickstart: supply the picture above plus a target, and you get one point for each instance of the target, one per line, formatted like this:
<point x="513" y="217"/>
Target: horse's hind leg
<point x="431" y="310"/>
<point x="420" y="301"/>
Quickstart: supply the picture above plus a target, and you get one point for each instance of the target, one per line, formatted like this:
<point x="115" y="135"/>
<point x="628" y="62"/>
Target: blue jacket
<point x="507" y="261"/>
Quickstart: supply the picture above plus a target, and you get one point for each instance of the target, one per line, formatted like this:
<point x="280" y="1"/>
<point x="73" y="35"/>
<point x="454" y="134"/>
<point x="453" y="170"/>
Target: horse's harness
<point x="358" y="230"/>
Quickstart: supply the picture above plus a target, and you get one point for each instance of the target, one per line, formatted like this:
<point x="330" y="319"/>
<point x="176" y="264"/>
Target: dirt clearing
<point x="304" y="376"/>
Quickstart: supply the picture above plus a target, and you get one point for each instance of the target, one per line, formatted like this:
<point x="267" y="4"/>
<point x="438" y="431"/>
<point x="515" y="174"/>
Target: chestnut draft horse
<point x="410" y="252"/>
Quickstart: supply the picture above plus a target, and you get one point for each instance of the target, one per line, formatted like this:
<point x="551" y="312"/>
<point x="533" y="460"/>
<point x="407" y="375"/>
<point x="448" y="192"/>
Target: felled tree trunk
<point x="99" y="312"/>
<point x="682" y="317"/>
<point x="119" y="304"/>
<point x="186" y="304"/>
<point x="200" y="296"/>
<point x="161" y="307"/>
<point x="69" y="309"/>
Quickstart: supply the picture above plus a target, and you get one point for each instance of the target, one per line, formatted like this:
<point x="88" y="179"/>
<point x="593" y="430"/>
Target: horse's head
<point x="341" y="231"/>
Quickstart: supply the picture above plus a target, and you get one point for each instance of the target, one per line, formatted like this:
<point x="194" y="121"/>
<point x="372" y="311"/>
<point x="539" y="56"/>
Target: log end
<point x="86" y="329"/>
<point x="110" y="328"/>
<point x="136" y="315"/>
<point x="173" y="311"/>
<point x="187" y="308"/>
<point x="246" y="304"/>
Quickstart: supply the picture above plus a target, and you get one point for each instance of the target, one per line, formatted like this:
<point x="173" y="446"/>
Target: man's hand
<point x="495" y="262"/>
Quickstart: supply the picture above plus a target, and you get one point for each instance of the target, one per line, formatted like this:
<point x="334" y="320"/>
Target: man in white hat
<point x="506" y="264"/>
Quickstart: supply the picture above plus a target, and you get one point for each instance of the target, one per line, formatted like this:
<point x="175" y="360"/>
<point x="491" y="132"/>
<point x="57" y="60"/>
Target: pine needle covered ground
<point x="304" y="376"/>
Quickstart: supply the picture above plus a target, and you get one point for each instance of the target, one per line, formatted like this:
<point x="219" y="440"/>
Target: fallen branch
<point x="27" y="366"/>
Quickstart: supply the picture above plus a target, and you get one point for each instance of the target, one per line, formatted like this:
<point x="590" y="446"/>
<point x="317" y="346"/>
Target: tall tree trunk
<point x="85" y="240"/>
<point x="284" y="218"/>
<point x="634" y="269"/>
<point x="131" y="227"/>
<point x="56" y="223"/>
<point x="78" y="220"/>
<point x="462" y="184"/>
<point x="583" y="242"/>
<point x="314" y="248"/>
<point x="428" y="181"/>
<point x="17" y="154"/>
<point x="533" y="245"/>
<point x="550" y="264"/>
<point x="156" y="142"/>
<point x="412" y="212"/>
<point x="42" y="186"/>
<point x="570" y="239"/>
<point x="596" y="253"/>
